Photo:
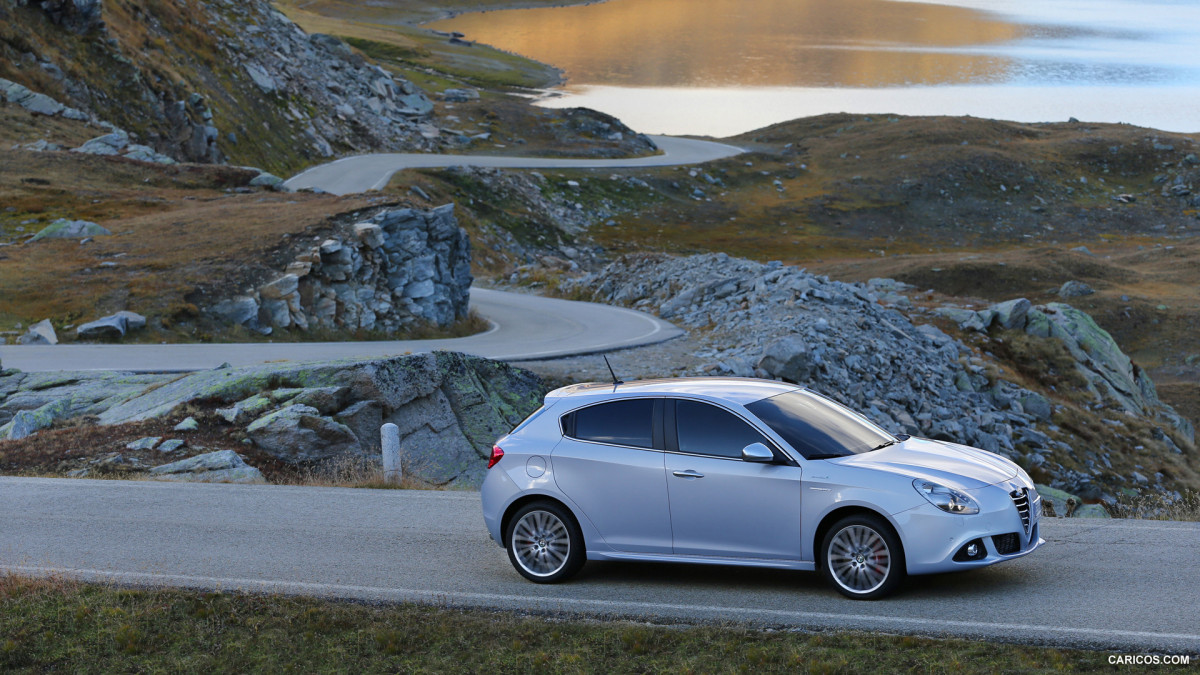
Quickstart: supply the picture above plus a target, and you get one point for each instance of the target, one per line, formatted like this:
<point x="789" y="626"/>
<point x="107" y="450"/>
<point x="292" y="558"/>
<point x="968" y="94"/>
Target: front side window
<point x="617" y="423"/>
<point x="705" y="429"/>
<point x="817" y="427"/>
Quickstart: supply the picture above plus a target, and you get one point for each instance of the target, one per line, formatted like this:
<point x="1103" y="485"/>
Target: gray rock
<point x="241" y="310"/>
<point x="298" y="433"/>
<point x="171" y="445"/>
<point x="1091" y="511"/>
<point x="261" y="78"/>
<point x="1074" y="289"/>
<point x="27" y="422"/>
<point x="280" y="288"/>
<point x="112" y="326"/>
<point x="460" y="95"/>
<point x="146" y="443"/>
<point x="108" y="144"/>
<point x="224" y="466"/>
<point x="965" y="318"/>
<point x="189" y="424"/>
<point x="326" y="400"/>
<point x="250" y="407"/>
<point x="1036" y="405"/>
<point x="24" y="424"/>
<point x="40" y="333"/>
<point x="64" y="228"/>
<point x="364" y="418"/>
<point x="788" y="358"/>
<point x="267" y="180"/>
<point x="1011" y="315"/>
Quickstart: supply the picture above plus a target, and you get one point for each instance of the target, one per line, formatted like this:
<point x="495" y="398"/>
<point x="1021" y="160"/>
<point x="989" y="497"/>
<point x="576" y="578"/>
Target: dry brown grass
<point x="175" y="231"/>
<point x="1155" y="506"/>
<point x="352" y="471"/>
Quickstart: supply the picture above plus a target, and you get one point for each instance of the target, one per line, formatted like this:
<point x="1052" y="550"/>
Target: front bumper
<point x="932" y="537"/>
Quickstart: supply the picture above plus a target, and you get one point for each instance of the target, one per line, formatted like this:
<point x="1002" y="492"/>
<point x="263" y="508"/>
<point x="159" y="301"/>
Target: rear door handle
<point x="687" y="474"/>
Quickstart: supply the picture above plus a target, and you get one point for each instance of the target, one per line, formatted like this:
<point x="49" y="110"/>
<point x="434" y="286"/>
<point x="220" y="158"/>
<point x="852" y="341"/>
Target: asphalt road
<point x="524" y="328"/>
<point x="372" y="172"/>
<point x="1102" y="584"/>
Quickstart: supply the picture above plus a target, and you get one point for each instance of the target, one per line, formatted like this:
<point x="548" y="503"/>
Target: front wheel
<point x="544" y="543"/>
<point x="862" y="558"/>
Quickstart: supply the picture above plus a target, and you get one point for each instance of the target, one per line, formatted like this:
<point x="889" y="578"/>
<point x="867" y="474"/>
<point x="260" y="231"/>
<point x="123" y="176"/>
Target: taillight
<point x="497" y="455"/>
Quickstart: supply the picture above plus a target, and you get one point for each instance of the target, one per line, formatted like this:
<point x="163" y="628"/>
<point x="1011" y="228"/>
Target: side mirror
<point x="757" y="452"/>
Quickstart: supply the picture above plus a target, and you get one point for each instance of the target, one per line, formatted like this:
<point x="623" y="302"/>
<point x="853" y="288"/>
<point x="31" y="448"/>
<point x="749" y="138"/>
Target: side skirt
<point x="802" y="565"/>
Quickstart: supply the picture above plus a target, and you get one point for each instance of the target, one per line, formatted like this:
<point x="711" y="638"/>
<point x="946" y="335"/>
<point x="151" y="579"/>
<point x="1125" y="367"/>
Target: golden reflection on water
<point x="814" y="43"/>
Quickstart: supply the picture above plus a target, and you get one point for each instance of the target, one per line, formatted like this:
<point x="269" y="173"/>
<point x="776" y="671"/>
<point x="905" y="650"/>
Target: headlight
<point x="946" y="499"/>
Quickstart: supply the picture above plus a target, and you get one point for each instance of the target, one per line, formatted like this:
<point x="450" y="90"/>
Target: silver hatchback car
<point x="733" y="471"/>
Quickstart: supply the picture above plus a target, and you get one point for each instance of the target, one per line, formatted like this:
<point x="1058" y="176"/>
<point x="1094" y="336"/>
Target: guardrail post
<point x="390" y="437"/>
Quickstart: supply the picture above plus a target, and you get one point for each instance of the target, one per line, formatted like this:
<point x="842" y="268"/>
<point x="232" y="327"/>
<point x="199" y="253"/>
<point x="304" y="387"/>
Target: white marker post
<point x="390" y="437"/>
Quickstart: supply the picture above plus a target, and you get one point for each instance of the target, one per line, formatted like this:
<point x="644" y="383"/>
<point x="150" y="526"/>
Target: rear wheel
<point x="862" y="558"/>
<point x="544" y="543"/>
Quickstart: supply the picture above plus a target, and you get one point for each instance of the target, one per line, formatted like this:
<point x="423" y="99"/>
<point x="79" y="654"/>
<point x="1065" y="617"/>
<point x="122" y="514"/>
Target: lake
<point x="723" y="67"/>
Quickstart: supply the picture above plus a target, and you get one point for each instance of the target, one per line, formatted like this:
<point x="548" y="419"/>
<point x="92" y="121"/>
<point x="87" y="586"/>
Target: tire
<point x="862" y="558"/>
<point x="544" y="543"/>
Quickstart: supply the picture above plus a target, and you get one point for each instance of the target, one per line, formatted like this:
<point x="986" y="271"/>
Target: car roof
<point x="738" y="390"/>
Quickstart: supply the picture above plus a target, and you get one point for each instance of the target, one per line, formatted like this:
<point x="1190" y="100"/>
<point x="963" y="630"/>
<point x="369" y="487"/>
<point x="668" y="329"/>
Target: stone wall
<point x="399" y="268"/>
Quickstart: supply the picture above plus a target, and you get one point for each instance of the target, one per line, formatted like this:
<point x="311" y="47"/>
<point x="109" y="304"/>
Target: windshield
<point x="817" y="427"/>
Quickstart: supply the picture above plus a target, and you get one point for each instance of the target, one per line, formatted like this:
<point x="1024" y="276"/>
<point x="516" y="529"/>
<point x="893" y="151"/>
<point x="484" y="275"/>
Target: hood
<point x="952" y="465"/>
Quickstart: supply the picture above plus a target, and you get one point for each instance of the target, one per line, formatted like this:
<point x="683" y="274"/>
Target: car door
<point x="610" y="463"/>
<point x="720" y="504"/>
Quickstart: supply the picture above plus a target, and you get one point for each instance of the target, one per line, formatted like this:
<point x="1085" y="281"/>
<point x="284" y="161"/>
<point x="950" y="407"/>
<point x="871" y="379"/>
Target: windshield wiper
<point x="898" y="439"/>
<point x="827" y="455"/>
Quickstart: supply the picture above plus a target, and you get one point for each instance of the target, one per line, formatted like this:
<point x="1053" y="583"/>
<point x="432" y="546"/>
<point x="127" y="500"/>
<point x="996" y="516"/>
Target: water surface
<point x="722" y="67"/>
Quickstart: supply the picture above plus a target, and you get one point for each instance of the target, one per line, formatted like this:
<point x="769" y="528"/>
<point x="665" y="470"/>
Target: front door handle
<point x="687" y="474"/>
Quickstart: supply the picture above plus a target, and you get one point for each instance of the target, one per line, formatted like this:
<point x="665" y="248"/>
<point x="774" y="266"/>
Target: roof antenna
<point x="610" y="372"/>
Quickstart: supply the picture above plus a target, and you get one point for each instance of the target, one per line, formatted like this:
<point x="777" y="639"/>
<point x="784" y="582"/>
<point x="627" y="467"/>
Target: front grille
<point x="1007" y="543"/>
<point x="1021" y="500"/>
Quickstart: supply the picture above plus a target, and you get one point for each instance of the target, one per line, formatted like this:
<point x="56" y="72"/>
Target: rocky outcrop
<point x="397" y="269"/>
<point x="35" y="102"/>
<point x="245" y="81"/>
<point x="851" y="342"/>
<point x="1112" y="378"/>
<point x="450" y="407"/>
<point x="223" y="466"/>
<point x="118" y="143"/>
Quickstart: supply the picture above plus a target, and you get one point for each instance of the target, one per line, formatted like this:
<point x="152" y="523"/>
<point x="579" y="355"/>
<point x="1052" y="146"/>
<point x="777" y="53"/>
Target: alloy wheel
<point x="541" y="543"/>
<point x="859" y="559"/>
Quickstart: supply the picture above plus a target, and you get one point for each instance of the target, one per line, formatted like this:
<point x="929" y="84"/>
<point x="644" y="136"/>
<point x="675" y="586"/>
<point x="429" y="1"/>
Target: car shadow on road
<point x="983" y="582"/>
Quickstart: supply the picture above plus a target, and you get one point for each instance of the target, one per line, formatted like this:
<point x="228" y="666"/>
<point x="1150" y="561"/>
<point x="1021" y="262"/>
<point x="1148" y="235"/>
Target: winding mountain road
<point x="371" y="172"/>
<point x="1105" y="584"/>
<point x="524" y="328"/>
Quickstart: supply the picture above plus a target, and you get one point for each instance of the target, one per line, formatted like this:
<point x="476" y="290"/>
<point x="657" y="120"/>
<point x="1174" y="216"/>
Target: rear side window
<point x="708" y="430"/>
<point x="617" y="423"/>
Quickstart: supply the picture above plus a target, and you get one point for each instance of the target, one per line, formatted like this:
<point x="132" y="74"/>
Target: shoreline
<point x="446" y="14"/>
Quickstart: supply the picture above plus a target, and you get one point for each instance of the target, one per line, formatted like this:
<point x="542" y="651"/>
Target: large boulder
<point x="113" y="326"/>
<point x="64" y="228"/>
<point x="224" y="466"/>
<point x="40" y="333"/>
